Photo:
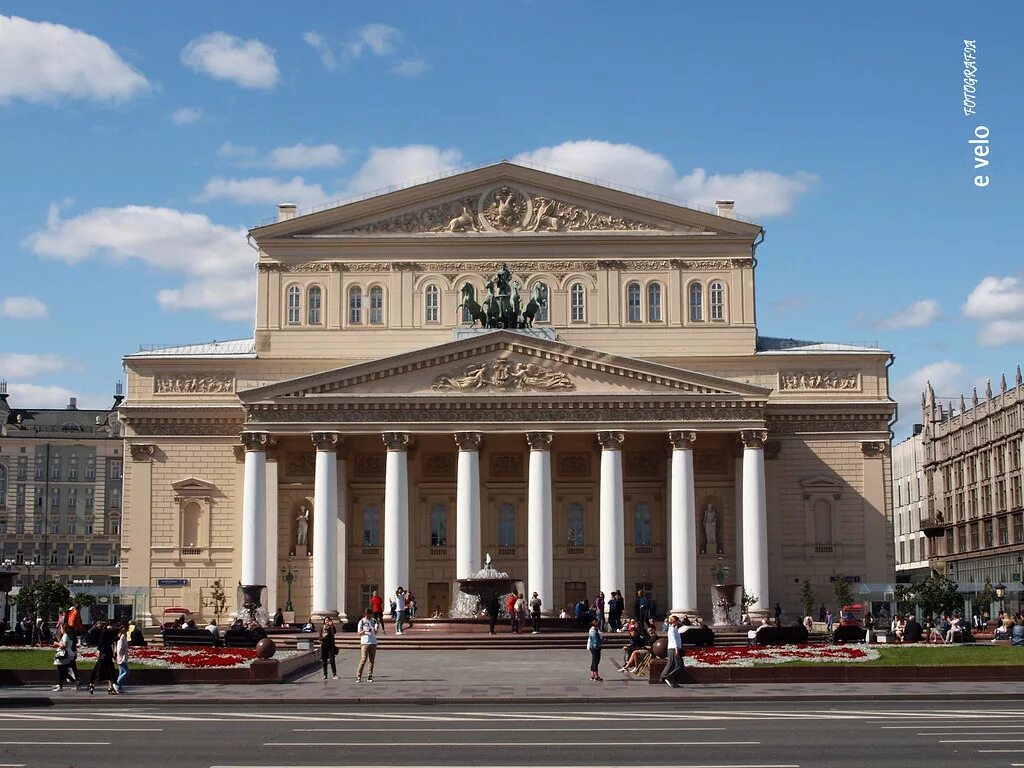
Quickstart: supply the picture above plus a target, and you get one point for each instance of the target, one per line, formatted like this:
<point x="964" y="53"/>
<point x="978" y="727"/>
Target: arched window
<point x="506" y="525"/>
<point x="371" y="525"/>
<point x="313" y="304"/>
<point x="716" y="300"/>
<point x="642" y="524"/>
<point x="294" y="305"/>
<point x="654" y="303"/>
<point x="376" y="305"/>
<point x="355" y="305"/>
<point x="191" y="519"/>
<point x="432" y="304"/>
<point x="577" y="303"/>
<point x="696" y="302"/>
<point x="574" y="521"/>
<point x="633" y="313"/>
<point x="822" y="521"/>
<point x="542" y="311"/>
<point x="439" y="526"/>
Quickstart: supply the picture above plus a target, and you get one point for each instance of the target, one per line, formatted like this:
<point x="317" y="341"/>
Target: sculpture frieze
<point x="194" y="384"/>
<point x="818" y="380"/>
<point x="503" y="374"/>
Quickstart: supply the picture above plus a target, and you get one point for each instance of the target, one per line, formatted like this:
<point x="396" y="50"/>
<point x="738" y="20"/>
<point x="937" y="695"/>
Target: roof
<point x="66" y="423"/>
<point x="233" y="348"/>
<point x="777" y="344"/>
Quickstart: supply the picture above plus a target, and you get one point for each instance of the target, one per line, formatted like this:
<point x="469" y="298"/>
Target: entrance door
<point x="438" y="594"/>
<point x="574" y="592"/>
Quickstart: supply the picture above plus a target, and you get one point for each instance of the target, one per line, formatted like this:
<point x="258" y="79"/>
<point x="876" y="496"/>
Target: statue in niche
<point x="711" y="543"/>
<point x="302" y="529"/>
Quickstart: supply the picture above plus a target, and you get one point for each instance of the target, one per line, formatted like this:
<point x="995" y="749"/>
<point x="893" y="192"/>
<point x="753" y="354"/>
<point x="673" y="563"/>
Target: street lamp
<point x="1000" y="594"/>
<point x="288" y="576"/>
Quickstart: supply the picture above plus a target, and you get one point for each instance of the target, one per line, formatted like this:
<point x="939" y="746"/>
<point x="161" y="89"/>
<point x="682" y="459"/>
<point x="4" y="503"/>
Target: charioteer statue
<point x="503" y="307"/>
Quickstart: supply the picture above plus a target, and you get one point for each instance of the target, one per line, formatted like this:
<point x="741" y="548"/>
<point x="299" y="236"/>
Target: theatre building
<point x="565" y="376"/>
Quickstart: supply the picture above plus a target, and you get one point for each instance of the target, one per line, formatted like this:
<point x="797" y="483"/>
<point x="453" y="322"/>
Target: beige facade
<point x="911" y="546"/>
<point x="565" y="450"/>
<point x="973" y="459"/>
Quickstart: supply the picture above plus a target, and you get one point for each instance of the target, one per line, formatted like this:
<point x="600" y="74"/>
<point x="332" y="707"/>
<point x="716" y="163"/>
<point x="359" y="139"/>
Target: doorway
<point x="438" y="595"/>
<point x="574" y="592"/>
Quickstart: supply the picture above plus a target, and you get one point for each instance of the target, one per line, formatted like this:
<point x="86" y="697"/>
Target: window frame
<point x="371" y="534"/>
<point x="316" y="306"/>
<point x="716" y="309"/>
<point x="375" y="314"/>
<point x="293" y="304"/>
<point x="654" y="306"/>
<point x="634" y="302"/>
<point x="506" y="525"/>
<point x="575" y="537"/>
<point x="438" y="519"/>
<point x="641" y="525"/>
<point x="695" y="289"/>
<point x="355" y="305"/>
<point x="577" y="301"/>
<point x="432" y="304"/>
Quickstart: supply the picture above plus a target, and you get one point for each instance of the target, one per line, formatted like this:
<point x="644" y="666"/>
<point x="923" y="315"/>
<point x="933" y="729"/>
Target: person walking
<point x="377" y="611"/>
<point x="121" y="657"/>
<point x="64" y="659"/>
<point x="778" y="614"/>
<point x="328" y="648"/>
<point x="104" y="669"/>
<point x="615" y="611"/>
<point x="674" y="665"/>
<point x="594" y="646"/>
<point x="830" y="619"/>
<point x="513" y="614"/>
<point x="641" y="609"/>
<point x="535" y="604"/>
<point x="492" y="608"/>
<point x="599" y="609"/>
<point x="367" y="631"/>
<point x="400" y="610"/>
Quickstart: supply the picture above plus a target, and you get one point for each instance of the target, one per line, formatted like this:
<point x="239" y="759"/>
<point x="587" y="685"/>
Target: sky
<point x="141" y="141"/>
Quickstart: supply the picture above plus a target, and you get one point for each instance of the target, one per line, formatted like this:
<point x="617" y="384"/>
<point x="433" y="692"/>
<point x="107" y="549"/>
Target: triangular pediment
<point x="504" y="364"/>
<point x="193" y="486"/>
<point x="505" y="199"/>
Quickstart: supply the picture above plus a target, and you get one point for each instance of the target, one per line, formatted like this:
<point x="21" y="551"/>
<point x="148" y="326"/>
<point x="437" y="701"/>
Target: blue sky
<point x="140" y="141"/>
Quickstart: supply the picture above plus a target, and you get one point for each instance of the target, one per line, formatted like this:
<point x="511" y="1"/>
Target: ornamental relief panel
<point x="503" y="374"/>
<point x="794" y="381"/>
<point x="194" y="384"/>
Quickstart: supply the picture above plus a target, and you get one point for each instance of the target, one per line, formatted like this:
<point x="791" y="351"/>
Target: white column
<point x="467" y="505"/>
<point x="683" y="525"/>
<point x="612" y="539"/>
<point x="755" y="521"/>
<point x="254" y="509"/>
<point x="540" y="553"/>
<point x="738" y="496"/>
<point x="273" y="577"/>
<point x="342" y="537"/>
<point x="325" y="525"/>
<point x="396" y="513"/>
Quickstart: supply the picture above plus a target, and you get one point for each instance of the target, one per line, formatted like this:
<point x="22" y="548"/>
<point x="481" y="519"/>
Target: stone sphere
<point x="266" y="648"/>
<point x="660" y="648"/>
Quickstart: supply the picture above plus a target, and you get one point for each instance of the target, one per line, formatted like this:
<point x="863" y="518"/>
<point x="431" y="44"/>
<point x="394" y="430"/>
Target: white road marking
<point x="673" y="729"/>
<point x="1001" y="750"/>
<point x="1013" y="721"/>
<point x="90" y="730"/>
<point x="477" y="744"/>
<point x="51" y="743"/>
<point x="981" y="741"/>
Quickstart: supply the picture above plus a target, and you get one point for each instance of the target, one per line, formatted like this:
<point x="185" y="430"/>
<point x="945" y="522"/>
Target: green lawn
<point x="40" y="659"/>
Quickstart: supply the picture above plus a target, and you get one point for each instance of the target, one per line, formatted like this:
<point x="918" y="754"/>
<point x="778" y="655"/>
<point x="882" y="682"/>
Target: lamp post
<point x="1000" y="594"/>
<point x="288" y="576"/>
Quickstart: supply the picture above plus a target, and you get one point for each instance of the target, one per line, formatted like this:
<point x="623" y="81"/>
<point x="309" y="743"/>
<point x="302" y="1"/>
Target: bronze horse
<point x="538" y="299"/>
<point x="476" y="312"/>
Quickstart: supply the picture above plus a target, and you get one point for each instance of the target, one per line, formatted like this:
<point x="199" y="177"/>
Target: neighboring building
<point x="907" y="485"/>
<point x="641" y="419"/>
<point x="973" y="459"/>
<point x="60" y="493"/>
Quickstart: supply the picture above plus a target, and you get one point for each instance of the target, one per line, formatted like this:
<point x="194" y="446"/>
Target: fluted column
<point x="341" y="526"/>
<point x="612" y="534"/>
<point x="683" y="525"/>
<point x="755" y="521"/>
<point x="254" y="509"/>
<point x="540" y="555"/>
<point x="396" y="513"/>
<point x="325" y="525"/>
<point x="467" y="505"/>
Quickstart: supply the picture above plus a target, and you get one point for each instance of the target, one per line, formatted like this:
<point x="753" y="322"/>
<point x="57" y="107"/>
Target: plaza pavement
<point x="513" y="677"/>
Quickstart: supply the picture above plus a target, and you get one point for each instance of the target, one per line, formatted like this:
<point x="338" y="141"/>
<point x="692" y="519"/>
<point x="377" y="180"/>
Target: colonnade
<point x="329" y="505"/>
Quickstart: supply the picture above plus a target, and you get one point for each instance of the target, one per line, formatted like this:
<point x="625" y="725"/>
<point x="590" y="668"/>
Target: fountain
<point x="488" y="580"/>
<point x="249" y="598"/>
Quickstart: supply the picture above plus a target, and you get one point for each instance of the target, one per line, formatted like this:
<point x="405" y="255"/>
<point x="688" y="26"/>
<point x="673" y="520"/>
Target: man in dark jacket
<point x="492" y="608"/>
<point x="912" y="632"/>
<point x="642" y="608"/>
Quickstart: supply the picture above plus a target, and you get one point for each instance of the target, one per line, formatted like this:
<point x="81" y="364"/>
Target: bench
<point x="177" y="638"/>
<point x="795" y="635"/>
<point x="242" y="638"/>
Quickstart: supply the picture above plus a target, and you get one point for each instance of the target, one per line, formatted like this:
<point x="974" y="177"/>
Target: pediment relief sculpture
<point x="505" y="208"/>
<point x="790" y="381"/>
<point x="504" y="375"/>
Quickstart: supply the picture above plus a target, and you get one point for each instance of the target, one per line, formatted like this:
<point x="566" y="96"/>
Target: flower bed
<point x="765" y="655"/>
<point x="174" y="658"/>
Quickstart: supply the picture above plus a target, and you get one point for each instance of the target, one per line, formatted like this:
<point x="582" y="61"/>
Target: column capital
<point x="682" y="440"/>
<point x="754" y="438"/>
<point x="539" y="441"/>
<point x="327" y="441"/>
<point x="255" y="441"/>
<point x="610" y="441"/>
<point x="142" y="451"/>
<point x="396" y="441"/>
<point x="468" y="441"/>
<point x="873" y="448"/>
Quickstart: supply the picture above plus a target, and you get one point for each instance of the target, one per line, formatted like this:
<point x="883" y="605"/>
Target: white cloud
<point x="263" y="190"/>
<point x="231" y="150"/>
<point x="323" y="51"/>
<point x="45" y="62"/>
<point x="999" y="333"/>
<point x="388" y="166"/>
<point x="248" y="63"/>
<point x="756" y="192"/>
<point x="187" y="115"/>
<point x="20" y="366"/>
<point x="23" y="308"/>
<point x="918" y="315"/>
<point x="24" y="395"/>
<point x="303" y="156"/>
<point x="409" y="67"/>
<point x="379" y="39"/>
<point x="208" y="255"/>
<point x="946" y="377"/>
<point x="995" y="297"/>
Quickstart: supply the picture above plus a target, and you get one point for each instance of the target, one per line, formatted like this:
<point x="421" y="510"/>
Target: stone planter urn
<point x="725" y="604"/>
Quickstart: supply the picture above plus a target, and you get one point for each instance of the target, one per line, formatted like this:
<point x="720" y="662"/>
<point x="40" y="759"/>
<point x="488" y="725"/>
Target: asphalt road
<point x="684" y="735"/>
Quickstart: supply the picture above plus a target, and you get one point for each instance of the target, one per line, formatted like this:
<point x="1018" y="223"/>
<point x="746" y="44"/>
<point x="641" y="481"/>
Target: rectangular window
<point x="371" y="526"/>
<point x="71" y="558"/>
<point x="115" y="527"/>
<point x="115" y="498"/>
<point x="1004" y="536"/>
<point x="376" y="306"/>
<point x="88" y="558"/>
<point x="55" y="468"/>
<point x="642" y="525"/>
<point x="73" y="468"/>
<point x="574" y="519"/>
<point x="439" y="526"/>
<point x="55" y="498"/>
<point x="20" y="499"/>
<point x="115" y="468"/>
<point x="912" y="555"/>
<point x="54" y="559"/>
<point x="90" y="470"/>
<point x="23" y="467"/>
<point x="506" y="526"/>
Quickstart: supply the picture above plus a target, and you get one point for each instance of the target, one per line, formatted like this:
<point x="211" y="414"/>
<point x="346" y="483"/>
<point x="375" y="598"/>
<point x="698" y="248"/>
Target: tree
<point x="43" y="598"/>
<point x="932" y="594"/>
<point x="807" y="597"/>
<point x="987" y="596"/>
<point x="218" y="601"/>
<point x="842" y="592"/>
<point x="746" y="601"/>
<point x="84" y="599"/>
